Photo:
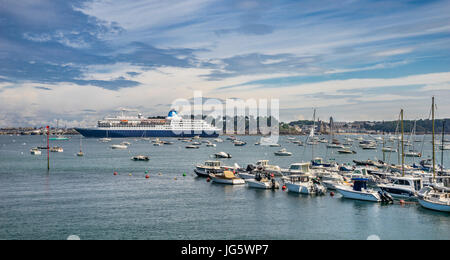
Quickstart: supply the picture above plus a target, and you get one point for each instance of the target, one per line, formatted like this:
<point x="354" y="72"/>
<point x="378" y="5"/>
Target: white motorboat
<point x="228" y="178"/>
<point x="403" y="187"/>
<point x="389" y="150"/>
<point x="56" y="149"/>
<point x="346" y="151"/>
<point x="35" y="151"/>
<point x="223" y="155"/>
<point x="239" y="143"/>
<point x="304" y="184"/>
<point x="211" y="145"/>
<point x="105" y="140"/>
<point x="359" y="191"/>
<point x="218" y="140"/>
<point x="263" y="182"/>
<point x="435" y="198"/>
<point x="119" y="147"/>
<point x="283" y="152"/>
<point x="142" y="158"/>
<point x="335" y="146"/>
<point x="208" y="168"/>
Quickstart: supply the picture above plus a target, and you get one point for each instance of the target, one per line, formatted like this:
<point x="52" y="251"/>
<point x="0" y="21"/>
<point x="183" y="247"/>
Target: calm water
<point x="80" y="196"/>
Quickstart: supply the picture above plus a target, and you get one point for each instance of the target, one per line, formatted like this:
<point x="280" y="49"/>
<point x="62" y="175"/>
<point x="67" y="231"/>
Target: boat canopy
<point x="359" y="184"/>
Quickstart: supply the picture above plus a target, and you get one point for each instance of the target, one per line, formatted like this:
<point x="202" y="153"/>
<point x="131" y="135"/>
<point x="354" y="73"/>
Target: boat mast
<point x="313" y="131"/>
<point x="434" y="144"/>
<point x="403" y="144"/>
<point x="443" y="147"/>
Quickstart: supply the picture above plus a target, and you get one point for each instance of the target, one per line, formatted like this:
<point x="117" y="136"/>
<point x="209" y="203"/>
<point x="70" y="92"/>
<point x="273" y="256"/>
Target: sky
<point x="77" y="61"/>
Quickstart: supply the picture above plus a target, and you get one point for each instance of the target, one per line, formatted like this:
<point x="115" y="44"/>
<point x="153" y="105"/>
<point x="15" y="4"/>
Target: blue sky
<point x="77" y="61"/>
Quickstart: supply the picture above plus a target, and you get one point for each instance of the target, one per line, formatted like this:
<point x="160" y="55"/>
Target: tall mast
<point x="313" y="131"/>
<point x="403" y="144"/>
<point x="442" y="147"/>
<point x="434" y="144"/>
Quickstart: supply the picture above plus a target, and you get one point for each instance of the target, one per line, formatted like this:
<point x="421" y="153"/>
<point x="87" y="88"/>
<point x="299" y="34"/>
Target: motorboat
<point x="413" y="154"/>
<point x="105" y="140"/>
<point x="275" y="145"/>
<point x="369" y="146"/>
<point x="359" y="191"/>
<point x="304" y="184"/>
<point x="208" y="168"/>
<point x="265" y="182"/>
<point x="335" y="146"/>
<point x="228" y="178"/>
<point x="283" y="152"/>
<point x="35" y="151"/>
<point x="141" y="158"/>
<point x="218" y="140"/>
<point x="56" y="149"/>
<point x="223" y="155"/>
<point x="239" y="143"/>
<point x="298" y="169"/>
<point x="270" y="169"/>
<point x="389" y="150"/>
<point x="403" y="187"/>
<point x="346" y="151"/>
<point x="192" y="147"/>
<point x="435" y="198"/>
<point x="119" y="147"/>
<point x="211" y="145"/>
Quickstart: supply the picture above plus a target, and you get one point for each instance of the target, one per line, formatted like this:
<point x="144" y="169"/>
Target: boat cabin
<point x="359" y="184"/>
<point x="415" y="183"/>
<point x="300" y="167"/>
<point x="299" y="178"/>
<point x="213" y="164"/>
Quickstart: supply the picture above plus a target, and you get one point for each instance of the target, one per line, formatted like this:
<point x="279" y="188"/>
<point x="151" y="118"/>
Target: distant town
<point x="296" y="128"/>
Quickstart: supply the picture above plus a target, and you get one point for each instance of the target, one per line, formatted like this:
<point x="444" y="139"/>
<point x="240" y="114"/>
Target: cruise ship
<point x="171" y="126"/>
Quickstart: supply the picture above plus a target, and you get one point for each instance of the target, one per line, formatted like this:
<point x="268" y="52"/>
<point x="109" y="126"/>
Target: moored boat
<point x="228" y="178"/>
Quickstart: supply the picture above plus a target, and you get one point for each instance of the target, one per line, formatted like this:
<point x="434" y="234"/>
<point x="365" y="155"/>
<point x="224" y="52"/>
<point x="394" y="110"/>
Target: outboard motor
<point x="385" y="197"/>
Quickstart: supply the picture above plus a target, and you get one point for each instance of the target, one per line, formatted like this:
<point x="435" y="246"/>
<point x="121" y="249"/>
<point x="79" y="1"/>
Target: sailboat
<point x="435" y="197"/>
<point x="80" y="154"/>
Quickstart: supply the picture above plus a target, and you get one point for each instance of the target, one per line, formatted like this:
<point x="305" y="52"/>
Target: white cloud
<point x="393" y="52"/>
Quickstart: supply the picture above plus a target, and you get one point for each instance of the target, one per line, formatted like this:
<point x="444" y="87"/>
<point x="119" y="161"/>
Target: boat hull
<point x="99" y="133"/>
<point x="359" y="195"/>
<point x="228" y="181"/>
<point x="261" y="185"/>
<point x="434" y="206"/>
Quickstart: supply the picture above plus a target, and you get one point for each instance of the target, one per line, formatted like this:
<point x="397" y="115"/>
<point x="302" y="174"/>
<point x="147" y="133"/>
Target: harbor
<point x="105" y="195"/>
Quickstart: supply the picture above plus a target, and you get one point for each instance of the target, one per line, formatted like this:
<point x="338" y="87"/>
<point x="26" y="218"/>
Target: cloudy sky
<point x="80" y="60"/>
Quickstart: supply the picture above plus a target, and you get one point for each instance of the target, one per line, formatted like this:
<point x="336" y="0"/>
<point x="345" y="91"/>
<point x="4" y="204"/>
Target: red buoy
<point x="332" y="194"/>
<point x="147" y="176"/>
<point x="284" y="187"/>
<point x="208" y="180"/>
<point x="115" y="173"/>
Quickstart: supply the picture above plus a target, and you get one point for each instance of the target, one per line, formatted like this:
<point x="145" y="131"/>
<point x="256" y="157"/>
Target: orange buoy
<point x="402" y="202"/>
